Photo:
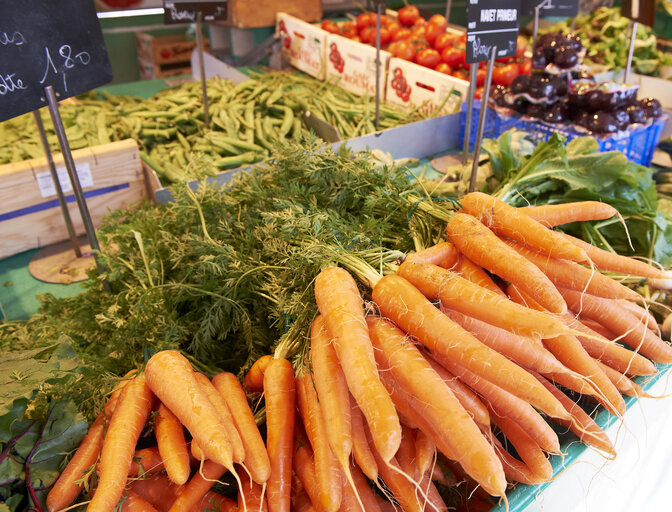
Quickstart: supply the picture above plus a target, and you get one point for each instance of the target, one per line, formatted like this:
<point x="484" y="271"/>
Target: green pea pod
<point x="287" y="122"/>
<point x="259" y="132"/>
<point x="236" y="161"/>
<point x="274" y="96"/>
<point x="220" y="138"/>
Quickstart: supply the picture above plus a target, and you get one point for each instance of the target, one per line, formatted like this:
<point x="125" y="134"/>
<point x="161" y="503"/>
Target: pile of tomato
<point x="428" y="43"/>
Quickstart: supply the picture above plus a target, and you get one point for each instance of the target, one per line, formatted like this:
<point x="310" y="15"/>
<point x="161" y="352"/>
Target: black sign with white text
<point x="177" y="11"/>
<point x="491" y="23"/>
<point x="559" y="8"/>
<point x="57" y="43"/>
<point x="641" y="11"/>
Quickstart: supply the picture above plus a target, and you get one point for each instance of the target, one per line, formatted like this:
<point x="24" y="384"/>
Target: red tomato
<point x="384" y="36"/>
<point x="405" y="51"/>
<point x="525" y="67"/>
<point x="444" y="41"/>
<point x="383" y="19"/>
<point x="478" y="93"/>
<point x="443" y="68"/>
<point x="429" y="58"/>
<point x="402" y="34"/>
<point x="393" y="27"/>
<point x="419" y="44"/>
<point x="348" y="29"/>
<point x="460" y="74"/>
<point x="408" y="15"/>
<point x="439" y="19"/>
<point x="420" y="22"/>
<point x="363" y="21"/>
<point x="521" y="47"/>
<point x="330" y="26"/>
<point x="452" y="57"/>
<point x="480" y="77"/>
<point x="418" y="32"/>
<point x="433" y="31"/>
<point x="368" y="35"/>
<point x="392" y="47"/>
<point x="504" y="75"/>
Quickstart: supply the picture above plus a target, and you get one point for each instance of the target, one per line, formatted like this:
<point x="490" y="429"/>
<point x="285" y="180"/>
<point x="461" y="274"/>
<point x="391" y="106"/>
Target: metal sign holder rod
<point x="481" y="118"/>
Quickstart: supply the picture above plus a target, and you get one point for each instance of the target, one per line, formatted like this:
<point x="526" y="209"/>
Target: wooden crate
<point x="29" y="220"/>
<point x="262" y="13"/>
<point x="162" y="56"/>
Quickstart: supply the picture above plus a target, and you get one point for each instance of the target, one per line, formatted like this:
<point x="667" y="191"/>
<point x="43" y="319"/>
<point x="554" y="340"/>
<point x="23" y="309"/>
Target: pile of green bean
<point x="246" y="120"/>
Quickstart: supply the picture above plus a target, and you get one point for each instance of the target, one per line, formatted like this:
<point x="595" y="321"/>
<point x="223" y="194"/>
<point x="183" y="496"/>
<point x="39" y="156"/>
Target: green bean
<point x="287" y="122"/>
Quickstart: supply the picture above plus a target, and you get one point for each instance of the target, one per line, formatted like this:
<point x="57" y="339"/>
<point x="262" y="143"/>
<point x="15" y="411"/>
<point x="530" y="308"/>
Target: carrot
<point x="581" y="424"/>
<point x="341" y="306"/>
<point x="364" y="492"/>
<point x="472" y="272"/>
<point x="551" y="215"/>
<point x="611" y="354"/>
<point x="172" y="446"/>
<point x="280" y="396"/>
<point x="443" y="254"/>
<point x="129" y="417"/>
<point x="526" y="447"/>
<point x="401" y="302"/>
<point x="254" y="378"/>
<point x="300" y="501"/>
<point x="514" y="469"/>
<point x="360" y="446"/>
<point x="256" y="456"/>
<point x="484" y="248"/>
<point x="326" y="465"/>
<point x="605" y="260"/>
<point x="303" y="463"/>
<point x="214" y="502"/>
<point x="622" y="382"/>
<point x="596" y="327"/>
<point x="506" y="220"/>
<point x="67" y="487"/>
<point x="147" y="461"/>
<point x="459" y="294"/>
<point x="425" y="452"/>
<point x="194" y="490"/>
<point x="406" y="453"/>
<point x="251" y="495"/>
<point x="157" y="489"/>
<point x="574" y="276"/>
<point x="524" y="351"/>
<point x="504" y="403"/>
<point x="414" y="374"/>
<point x="131" y="502"/>
<point x="622" y="323"/>
<point x="333" y="394"/>
<point x="172" y="379"/>
<point x="225" y="416"/>
<point x="643" y="314"/>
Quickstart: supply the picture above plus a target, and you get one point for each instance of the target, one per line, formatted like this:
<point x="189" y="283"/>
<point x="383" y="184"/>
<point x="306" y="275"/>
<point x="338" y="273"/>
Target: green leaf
<point x="16" y="412"/>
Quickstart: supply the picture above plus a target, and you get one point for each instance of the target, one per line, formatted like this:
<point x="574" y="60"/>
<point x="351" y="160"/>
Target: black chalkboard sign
<point x="57" y="43"/>
<point x="641" y="11"/>
<point x="178" y="11"/>
<point x="491" y="23"/>
<point x="559" y="8"/>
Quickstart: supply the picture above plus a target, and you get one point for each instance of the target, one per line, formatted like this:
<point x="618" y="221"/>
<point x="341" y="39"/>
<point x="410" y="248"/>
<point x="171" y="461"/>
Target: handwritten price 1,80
<point x="68" y="61"/>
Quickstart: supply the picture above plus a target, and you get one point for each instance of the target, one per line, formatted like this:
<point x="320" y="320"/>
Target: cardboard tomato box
<point x="303" y="44"/>
<point x="411" y="86"/>
<point x="352" y="65"/>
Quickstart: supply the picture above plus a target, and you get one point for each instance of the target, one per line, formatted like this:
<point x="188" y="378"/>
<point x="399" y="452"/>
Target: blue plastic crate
<point x="638" y="145"/>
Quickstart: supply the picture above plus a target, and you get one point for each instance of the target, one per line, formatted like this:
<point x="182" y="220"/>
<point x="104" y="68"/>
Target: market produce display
<point x="230" y="278"/>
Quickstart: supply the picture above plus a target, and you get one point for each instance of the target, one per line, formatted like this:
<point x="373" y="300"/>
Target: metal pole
<point x="449" y="4"/>
<point x="536" y="23"/>
<point x="201" y="67"/>
<point x="473" y="81"/>
<point x="628" y="66"/>
<point x="72" y="172"/>
<point x="57" y="185"/>
<point x="481" y="119"/>
<point x="379" y="12"/>
<point x="573" y="26"/>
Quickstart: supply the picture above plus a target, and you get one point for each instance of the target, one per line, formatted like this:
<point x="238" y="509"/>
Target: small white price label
<point x="46" y="183"/>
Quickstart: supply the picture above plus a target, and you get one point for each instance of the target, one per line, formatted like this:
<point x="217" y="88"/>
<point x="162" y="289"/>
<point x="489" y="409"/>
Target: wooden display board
<point x="262" y="13"/>
<point x="112" y="177"/>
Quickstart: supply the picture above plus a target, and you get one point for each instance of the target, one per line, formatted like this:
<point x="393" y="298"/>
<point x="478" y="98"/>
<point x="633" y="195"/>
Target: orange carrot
<point x="280" y="396"/>
<point x="406" y="453"/>
<point x="360" y="446"/>
<point x="472" y="272"/>
<point x="443" y="254"/>
<point x="468" y="298"/>
<point x="134" y="503"/>
<point x="366" y="495"/>
<point x="303" y="463"/>
<point x="622" y="323"/>
<point x="300" y="500"/>
<point x="256" y="456"/>
<point x="173" y="380"/>
<point x="326" y="465"/>
<point x="194" y="490"/>
<point x="574" y="276"/>
<point x="643" y="314"/>
<point x="251" y="495"/>
<point x="158" y="490"/>
<point x="217" y="400"/>
<point x="341" y="306"/>
<point x="622" y="382"/>
<point x="581" y="424"/>
<point x="254" y="378"/>
<point x="401" y="302"/>
<point x="508" y="221"/>
<point x="414" y="374"/>
<point x="605" y="260"/>
<point x="514" y="469"/>
<point x="130" y="415"/>
<point x="522" y="350"/>
<point x="148" y="461"/>
<point x="551" y="215"/>
<point x="332" y="391"/>
<point x="214" y="502"/>
<point x="526" y="447"/>
<point x="596" y="327"/>
<point x="484" y="248"/>
<point x="425" y="452"/>
<point x="172" y="446"/>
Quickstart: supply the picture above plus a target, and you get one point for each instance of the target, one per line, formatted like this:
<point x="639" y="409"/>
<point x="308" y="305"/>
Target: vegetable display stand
<point x="493" y="127"/>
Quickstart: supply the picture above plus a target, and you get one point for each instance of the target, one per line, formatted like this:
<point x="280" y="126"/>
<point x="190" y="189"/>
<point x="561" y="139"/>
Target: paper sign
<point x="46" y="184"/>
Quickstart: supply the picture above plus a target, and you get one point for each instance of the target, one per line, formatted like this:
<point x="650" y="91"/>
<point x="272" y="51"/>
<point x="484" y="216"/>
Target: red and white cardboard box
<point x="303" y="44"/>
<point x="411" y="86"/>
<point x="352" y="65"/>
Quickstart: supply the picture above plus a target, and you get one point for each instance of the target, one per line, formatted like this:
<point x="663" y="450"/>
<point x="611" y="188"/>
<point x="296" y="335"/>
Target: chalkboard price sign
<point x="559" y="8"/>
<point x="641" y="11"/>
<point x="491" y="23"/>
<point x="57" y="43"/>
<point x="177" y="11"/>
